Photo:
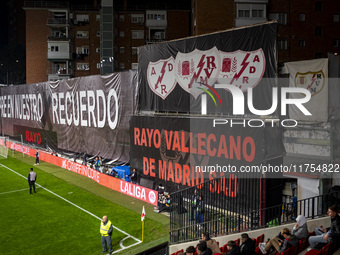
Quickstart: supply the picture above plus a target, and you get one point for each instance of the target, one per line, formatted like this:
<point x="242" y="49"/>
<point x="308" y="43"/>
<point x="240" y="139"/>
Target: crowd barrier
<point x="142" y="193"/>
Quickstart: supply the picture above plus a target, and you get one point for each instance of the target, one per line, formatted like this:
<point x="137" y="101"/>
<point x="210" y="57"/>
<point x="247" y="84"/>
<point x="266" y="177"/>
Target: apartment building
<point x="61" y="41"/>
<point x="307" y="29"/>
<point x="147" y="26"/>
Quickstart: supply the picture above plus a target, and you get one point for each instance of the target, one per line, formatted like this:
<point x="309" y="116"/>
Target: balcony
<point x="240" y="22"/>
<point x="155" y="40"/>
<point x="156" y="19"/>
<point x="58" y="50"/>
<point x="56" y="73"/>
<point x="58" y="38"/>
<point x="53" y="22"/>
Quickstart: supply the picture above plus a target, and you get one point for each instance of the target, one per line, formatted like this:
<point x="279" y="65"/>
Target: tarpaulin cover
<point x="183" y="151"/>
<point x="174" y="75"/>
<point x="84" y="114"/>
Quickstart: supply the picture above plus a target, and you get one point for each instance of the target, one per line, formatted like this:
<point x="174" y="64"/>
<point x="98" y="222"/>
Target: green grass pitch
<point x="63" y="216"/>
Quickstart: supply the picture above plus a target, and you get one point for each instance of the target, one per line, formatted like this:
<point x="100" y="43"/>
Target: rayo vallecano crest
<point x="313" y="81"/>
<point x="196" y="68"/>
<point x="161" y="77"/>
<point x="242" y="68"/>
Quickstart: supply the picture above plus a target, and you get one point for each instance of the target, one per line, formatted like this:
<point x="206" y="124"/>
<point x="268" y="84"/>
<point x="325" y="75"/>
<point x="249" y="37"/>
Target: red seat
<point x="302" y="245"/>
<point x="286" y="252"/>
<point x="313" y="252"/>
<point x="237" y="242"/>
<point x="326" y="249"/>
<point x="293" y="250"/>
<point x="178" y="252"/>
<point x="258" y="251"/>
<point x="224" y="248"/>
<point x="259" y="239"/>
<point x="218" y="253"/>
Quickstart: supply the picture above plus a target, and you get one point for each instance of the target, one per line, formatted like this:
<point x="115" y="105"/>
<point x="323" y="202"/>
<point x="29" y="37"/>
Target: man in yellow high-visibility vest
<point x="106" y="232"/>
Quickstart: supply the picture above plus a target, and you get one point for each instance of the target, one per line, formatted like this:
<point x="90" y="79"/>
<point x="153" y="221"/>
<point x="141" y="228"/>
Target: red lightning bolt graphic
<point x="313" y="80"/>
<point x="160" y="78"/>
<point x="244" y="66"/>
<point x="195" y="76"/>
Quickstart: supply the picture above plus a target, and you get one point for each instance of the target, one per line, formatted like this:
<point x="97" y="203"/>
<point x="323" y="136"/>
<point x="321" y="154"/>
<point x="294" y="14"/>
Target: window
<point x="98" y="50"/>
<point x="336" y="17"/>
<point x="335" y="42"/>
<point x="122" y="66"/>
<point x="319" y="31"/>
<point x="280" y="17"/>
<point x="83" y="66"/>
<point x="245" y="10"/>
<point x="282" y="44"/>
<point x="137" y="34"/>
<point x="134" y="66"/>
<point x="54" y="48"/>
<point x="244" y="13"/>
<point x="121" y="17"/>
<point x="318" y="6"/>
<point x="82" y="18"/>
<point x="121" y="49"/>
<point x="137" y="18"/>
<point x="83" y="50"/>
<point x="121" y="33"/>
<point x="82" y="34"/>
<point x="98" y="17"/>
<point x="98" y="33"/>
<point x="318" y="55"/>
<point x="302" y="17"/>
<point x="302" y="43"/>
<point x="134" y="50"/>
<point x="98" y="65"/>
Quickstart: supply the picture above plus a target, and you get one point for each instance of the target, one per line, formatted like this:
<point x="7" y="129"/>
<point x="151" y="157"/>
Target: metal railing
<point x="222" y="219"/>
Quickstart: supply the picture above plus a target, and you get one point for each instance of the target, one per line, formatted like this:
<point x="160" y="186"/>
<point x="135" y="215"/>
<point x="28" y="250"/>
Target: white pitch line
<point x="122" y="231"/>
<point x="13" y="191"/>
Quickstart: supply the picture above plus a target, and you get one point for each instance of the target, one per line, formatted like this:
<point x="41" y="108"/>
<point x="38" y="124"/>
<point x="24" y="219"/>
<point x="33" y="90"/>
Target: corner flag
<point x="142" y="219"/>
<point x="143" y="214"/>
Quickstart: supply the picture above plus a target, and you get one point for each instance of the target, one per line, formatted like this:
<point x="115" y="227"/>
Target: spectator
<point x="163" y="204"/>
<point x="190" y="250"/>
<point x="233" y="249"/>
<point x="134" y="176"/>
<point x="247" y="245"/>
<point x="278" y="244"/>
<point x="330" y="234"/>
<point x="37" y="155"/>
<point x="300" y="229"/>
<point x="200" y="211"/>
<point x="211" y="243"/>
<point x="194" y="200"/>
<point x="97" y="164"/>
<point x="85" y="158"/>
<point x="202" y="248"/>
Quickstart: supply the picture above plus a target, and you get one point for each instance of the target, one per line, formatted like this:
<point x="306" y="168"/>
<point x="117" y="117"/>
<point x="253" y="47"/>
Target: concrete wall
<point x="268" y="233"/>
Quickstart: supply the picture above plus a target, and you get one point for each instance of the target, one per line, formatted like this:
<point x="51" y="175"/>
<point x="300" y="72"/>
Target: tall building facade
<point x="307" y="29"/>
<point x="61" y="41"/>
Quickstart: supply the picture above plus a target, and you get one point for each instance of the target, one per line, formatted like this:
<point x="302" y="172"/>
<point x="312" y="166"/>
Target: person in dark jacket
<point x="211" y="243"/>
<point x="233" y="249"/>
<point x="279" y="245"/>
<point x="194" y="200"/>
<point x="330" y="234"/>
<point x="202" y="248"/>
<point x="247" y="245"/>
<point x="200" y="211"/>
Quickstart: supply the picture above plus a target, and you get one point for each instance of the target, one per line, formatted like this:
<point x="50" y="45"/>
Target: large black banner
<point x="84" y="114"/>
<point x="182" y="152"/>
<point x="176" y="75"/>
